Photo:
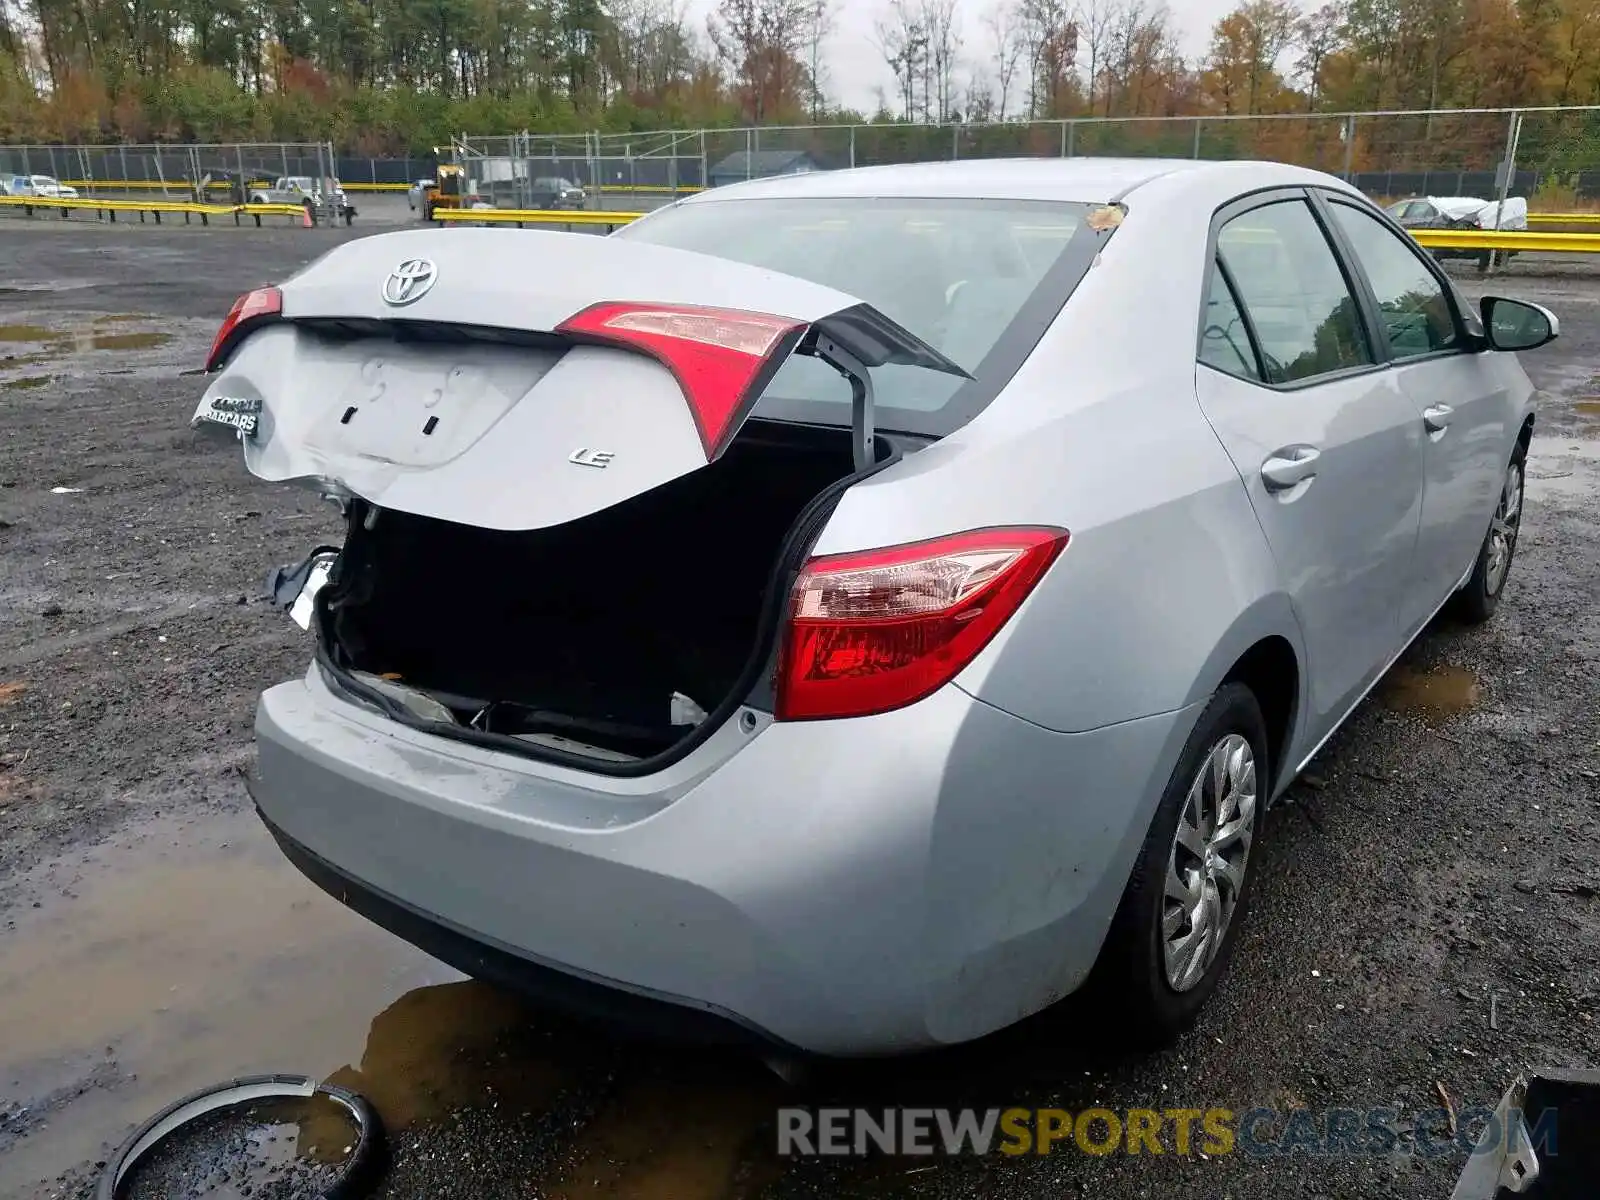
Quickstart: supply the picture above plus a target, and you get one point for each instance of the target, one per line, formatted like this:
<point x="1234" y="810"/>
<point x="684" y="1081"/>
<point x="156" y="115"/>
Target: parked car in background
<point x="761" y="632"/>
<point x="46" y="187"/>
<point x="551" y="192"/>
<point x="1462" y="212"/>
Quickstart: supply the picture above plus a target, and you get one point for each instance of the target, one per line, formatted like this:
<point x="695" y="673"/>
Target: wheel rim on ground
<point x="1206" y="866"/>
<point x="1503" y="530"/>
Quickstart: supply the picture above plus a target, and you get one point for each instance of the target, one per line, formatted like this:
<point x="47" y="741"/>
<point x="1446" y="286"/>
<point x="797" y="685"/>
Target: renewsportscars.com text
<point x="1208" y="1132"/>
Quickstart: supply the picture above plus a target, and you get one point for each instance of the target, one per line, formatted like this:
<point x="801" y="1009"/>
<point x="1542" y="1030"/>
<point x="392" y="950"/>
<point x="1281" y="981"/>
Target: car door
<point x="1465" y="412"/>
<point x="1329" y="449"/>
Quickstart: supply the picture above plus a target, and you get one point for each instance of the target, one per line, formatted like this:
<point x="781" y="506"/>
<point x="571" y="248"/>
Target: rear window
<point x="955" y="272"/>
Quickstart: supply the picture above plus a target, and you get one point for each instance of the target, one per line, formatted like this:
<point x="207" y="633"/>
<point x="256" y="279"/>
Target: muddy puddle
<point x="156" y="965"/>
<point x="1443" y="691"/>
<point x="26" y="333"/>
<point x="187" y="954"/>
<point x="23" y="345"/>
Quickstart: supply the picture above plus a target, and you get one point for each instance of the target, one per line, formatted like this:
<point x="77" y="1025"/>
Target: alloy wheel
<point x="1503" y="529"/>
<point x="1206" y="866"/>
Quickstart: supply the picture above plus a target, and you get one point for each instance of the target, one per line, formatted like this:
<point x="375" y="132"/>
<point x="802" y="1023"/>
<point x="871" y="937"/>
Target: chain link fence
<point x="539" y="171"/>
<point x="1554" y="155"/>
<point x="173" y="170"/>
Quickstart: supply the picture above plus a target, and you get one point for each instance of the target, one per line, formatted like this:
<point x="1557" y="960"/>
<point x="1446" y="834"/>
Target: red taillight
<point x="721" y="357"/>
<point x="879" y="629"/>
<point x="246" y="311"/>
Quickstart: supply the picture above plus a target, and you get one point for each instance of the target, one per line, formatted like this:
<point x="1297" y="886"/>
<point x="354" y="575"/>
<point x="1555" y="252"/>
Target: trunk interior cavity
<point x="610" y="635"/>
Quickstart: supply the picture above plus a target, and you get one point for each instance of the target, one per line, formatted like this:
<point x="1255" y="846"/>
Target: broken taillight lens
<point x="722" y="358"/>
<point x="880" y="629"/>
<point x="248" y="310"/>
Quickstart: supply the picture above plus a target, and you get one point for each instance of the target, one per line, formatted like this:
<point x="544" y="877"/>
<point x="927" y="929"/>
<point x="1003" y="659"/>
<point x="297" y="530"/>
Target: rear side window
<point x="1306" y="319"/>
<point x="1412" y="303"/>
<point x="955" y="272"/>
<point x="1225" y="341"/>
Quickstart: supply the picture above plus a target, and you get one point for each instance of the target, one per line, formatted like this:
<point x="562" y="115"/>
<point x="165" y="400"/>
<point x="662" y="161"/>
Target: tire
<point x="1477" y="601"/>
<point x="1131" y="979"/>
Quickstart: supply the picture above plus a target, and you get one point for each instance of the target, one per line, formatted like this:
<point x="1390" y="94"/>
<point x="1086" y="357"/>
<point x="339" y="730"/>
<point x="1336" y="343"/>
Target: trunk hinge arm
<point x="863" y="432"/>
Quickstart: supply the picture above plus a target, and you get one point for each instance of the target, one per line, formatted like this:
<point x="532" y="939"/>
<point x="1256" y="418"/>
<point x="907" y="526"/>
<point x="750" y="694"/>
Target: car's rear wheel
<point x="1175" y="929"/>
<point x="1478" y="600"/>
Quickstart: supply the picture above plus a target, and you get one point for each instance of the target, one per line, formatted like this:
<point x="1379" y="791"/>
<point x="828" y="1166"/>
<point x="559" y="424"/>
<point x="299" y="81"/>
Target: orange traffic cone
<point x="305" y="217"/>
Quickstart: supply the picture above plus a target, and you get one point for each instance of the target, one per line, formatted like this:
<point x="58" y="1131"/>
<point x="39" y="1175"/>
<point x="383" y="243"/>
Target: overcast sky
<point x="855" y="69"/>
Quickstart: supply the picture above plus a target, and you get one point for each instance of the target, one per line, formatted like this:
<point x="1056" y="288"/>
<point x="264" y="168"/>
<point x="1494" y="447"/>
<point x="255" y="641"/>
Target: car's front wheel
<point x="1175" y="929"/>
<point x="1478" y="600"/>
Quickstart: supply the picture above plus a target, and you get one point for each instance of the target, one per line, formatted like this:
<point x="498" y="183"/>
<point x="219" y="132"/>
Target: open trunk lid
<point x="515" y="381"/>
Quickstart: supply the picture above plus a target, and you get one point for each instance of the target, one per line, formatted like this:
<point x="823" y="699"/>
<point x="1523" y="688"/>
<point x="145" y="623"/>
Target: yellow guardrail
<point x="1490" y="239"/>
<point x="1564" y="218"/>
<point x="534" y="216"/>
<point x="155" y="208"/>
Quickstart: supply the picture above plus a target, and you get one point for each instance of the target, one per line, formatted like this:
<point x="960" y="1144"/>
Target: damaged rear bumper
<point x="559" y="988"/>
<point x="885" y="884"/>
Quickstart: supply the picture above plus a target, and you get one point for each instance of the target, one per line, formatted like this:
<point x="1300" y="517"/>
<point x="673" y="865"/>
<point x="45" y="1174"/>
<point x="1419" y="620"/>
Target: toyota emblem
<point x="410" y="281"/>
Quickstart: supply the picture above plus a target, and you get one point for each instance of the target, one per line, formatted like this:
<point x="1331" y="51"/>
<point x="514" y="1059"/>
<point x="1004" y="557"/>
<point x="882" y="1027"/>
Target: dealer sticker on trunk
<point x="238" y="412"/>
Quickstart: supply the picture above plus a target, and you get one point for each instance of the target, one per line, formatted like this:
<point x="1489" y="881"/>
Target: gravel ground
<point x="1436" y="870"/>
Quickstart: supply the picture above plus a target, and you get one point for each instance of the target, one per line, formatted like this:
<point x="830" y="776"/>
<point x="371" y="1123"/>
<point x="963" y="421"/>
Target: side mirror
<point x="1516" y="324"/>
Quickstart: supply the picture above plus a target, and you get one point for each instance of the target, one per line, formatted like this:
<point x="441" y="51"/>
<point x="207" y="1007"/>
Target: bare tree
<point x="1143" y="60"/>
<point x="654" y="49"/>
<point x="1096" y="21"/>
<point x="1050" y="46"/>
<point x="819" y="26"/>
<point x="1005" y="46"/>
<point x="1318" y="35"/>
<point x="981" y="104"/>
<point x="903" y="41"/>
<point x="944" y="45"/>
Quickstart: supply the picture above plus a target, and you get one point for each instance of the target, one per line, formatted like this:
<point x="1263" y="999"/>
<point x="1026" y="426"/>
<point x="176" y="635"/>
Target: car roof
<point x="1070" y="179"/>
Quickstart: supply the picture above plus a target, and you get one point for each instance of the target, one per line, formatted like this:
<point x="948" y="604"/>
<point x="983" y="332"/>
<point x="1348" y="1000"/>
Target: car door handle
<point x="1290" y="466"/>
<point x="1437" y="418"/>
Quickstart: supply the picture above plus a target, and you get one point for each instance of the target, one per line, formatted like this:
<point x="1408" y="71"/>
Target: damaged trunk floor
<point x="1426" y="915"/>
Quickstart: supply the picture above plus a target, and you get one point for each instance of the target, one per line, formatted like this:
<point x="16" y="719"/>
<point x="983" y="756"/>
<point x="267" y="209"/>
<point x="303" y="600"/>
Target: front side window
<point x="1412" y="304"/>
<point x="955" y="272"/>
<point x="1306" y="319"/>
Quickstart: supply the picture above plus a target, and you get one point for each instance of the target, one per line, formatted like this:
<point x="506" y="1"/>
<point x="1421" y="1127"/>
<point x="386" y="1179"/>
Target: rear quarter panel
<point x="1167" y="578"/>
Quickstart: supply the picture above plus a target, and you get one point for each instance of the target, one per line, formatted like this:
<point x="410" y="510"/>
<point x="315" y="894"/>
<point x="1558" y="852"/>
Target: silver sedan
<point x="857" y="609"/>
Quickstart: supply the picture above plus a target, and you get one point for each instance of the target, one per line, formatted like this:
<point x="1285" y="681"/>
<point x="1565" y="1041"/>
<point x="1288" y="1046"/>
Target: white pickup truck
<point x="304" y="189"/>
